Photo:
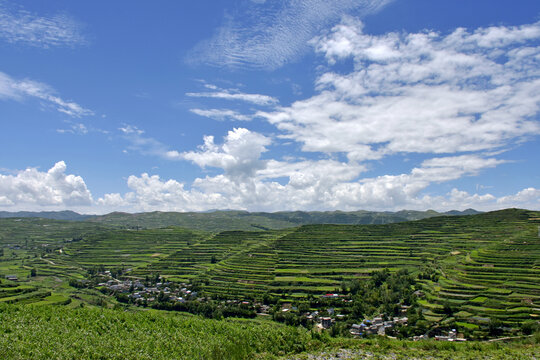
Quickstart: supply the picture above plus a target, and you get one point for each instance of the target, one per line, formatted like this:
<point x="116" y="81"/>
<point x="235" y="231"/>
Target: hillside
<point x="469" y="270"/>
<point x="89" y="333"/>
<point x="485" y="266"/>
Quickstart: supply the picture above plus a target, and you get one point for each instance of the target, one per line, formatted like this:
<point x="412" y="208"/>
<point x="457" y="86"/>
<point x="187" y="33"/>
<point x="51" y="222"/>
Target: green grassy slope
<point x="52" y="332"/>
<point x="479" y="266"/>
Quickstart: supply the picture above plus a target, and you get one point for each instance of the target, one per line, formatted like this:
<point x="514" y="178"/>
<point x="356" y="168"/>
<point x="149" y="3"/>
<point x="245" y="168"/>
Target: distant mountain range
<point x="54" y="215"/>
<point x="238" y="220"/>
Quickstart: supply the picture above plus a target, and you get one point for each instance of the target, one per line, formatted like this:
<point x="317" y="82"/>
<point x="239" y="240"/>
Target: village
<point x="141" y="293"/>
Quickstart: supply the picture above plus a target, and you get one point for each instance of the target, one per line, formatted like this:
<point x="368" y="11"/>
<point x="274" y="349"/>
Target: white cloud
<point x="20" y="90"/>
<point x="239" y="156"/>
<point x="221" y="114"/>
<point x="147" y="145"/>
<point x="309" y="190"/>
<point x="20" y="26"/>
<point x="529" y="198"/>
<point x="249" y="182"/>
<point x="420" y="93"/>
<point x="270" y="34"/>
<point x="406" y="190"/>
<point x="459" y="100"/>
<point x="77" y="128"/>
<point x="150" y="193"/>
<point x="33" y="189"/>
<point x="236" y="95"/>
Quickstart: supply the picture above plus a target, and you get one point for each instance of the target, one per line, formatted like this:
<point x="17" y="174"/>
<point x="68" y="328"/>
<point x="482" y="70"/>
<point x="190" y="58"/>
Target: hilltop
<point x="238" y="220"/>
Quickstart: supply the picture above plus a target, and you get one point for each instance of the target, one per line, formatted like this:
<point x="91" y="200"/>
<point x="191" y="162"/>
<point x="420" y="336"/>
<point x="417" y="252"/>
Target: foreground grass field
<point x="49" y="332"/>
<point x="52" y="332"/>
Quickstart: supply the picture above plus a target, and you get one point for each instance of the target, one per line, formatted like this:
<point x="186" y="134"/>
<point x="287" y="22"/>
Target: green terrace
<point x="469" y="268"/>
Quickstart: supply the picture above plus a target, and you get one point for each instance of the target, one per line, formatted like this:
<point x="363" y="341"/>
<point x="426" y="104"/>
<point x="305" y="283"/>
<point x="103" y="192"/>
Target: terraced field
<point x="481" y="266"/>
<point x="487" y="266"/>
<point x="130" y="248"/>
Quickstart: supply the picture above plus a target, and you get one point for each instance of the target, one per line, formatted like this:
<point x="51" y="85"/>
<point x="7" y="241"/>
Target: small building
<point x="452" y="336"/>
<point x="357" y="329"/>
<point x="331" y="311"/>
<point x="11" y="277"/>
<point x="326" y="322"/>
<point x="330" y="296"/>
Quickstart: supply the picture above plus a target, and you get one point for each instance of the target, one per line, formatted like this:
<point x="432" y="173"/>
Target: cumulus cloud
<point x="306" y="191"/>
<point x="21" y="26"/>
<point x="34" y="189"/>
<point x="528" y="198"/>
<point x="150" y="193"/>
<point x="458" y="99"/>
<point x="238" y="156"/>
<point x="249" y="182"/>
<point x="269" y="34"/>
<point x="19" y="90"/>
<point x="419" y="93"/>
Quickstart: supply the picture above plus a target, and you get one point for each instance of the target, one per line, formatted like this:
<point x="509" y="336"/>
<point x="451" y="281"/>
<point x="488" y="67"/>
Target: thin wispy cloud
<point x="145" y="145"/>
<point x="235" y="95"/>
<point x="221" y="114"/>
<point x="269" y="34"/>
<point x="77" y="128"/>
<point x="21" y="26"/>
<point x="20" y="90"/>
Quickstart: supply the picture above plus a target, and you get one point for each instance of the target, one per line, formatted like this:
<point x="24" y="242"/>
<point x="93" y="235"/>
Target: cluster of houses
<point x="376" y="326"/>
<point x="140" y="293"/>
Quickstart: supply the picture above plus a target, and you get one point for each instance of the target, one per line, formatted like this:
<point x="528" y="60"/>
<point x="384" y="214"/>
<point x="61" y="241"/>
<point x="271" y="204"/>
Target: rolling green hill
<point x="216" y="221"/>
<point x="53" y="215"/>
<point x="243" y="220"/>
<point x="469" y="269"/>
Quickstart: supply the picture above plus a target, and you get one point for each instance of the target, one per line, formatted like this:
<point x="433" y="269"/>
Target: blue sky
<point x="269" y="105"/>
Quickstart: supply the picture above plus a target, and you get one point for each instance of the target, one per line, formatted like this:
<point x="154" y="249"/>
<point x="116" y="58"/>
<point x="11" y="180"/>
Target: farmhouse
<point x="326" y="322"/>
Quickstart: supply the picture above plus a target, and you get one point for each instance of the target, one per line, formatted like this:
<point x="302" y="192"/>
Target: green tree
<point x="495" y="327"/>
<point x="530" y="326"/>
